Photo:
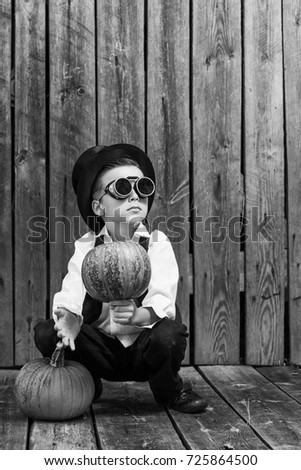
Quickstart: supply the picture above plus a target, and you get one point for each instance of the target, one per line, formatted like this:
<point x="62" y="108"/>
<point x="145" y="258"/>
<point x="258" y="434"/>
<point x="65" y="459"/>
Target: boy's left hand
<point x="125" y="312"/>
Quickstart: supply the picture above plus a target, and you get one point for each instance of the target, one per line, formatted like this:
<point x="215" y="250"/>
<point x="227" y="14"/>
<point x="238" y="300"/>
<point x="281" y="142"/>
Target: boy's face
<point x="129" y="211"/>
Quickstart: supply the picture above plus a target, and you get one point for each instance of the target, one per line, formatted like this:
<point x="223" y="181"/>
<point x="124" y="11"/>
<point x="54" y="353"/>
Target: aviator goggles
<point x="121" y="188"/>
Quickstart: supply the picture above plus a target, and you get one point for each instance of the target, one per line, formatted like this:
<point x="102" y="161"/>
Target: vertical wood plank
<point x="6" y="266"/>
<point x="292" y="67"/>
<point x="168" y="129"/>
<point x="216" y="107"/>
<point x="72" y="114"/>
<point x="30" y="177"/>
<point x="120" y="72"/>
<point x="264" y="180"/>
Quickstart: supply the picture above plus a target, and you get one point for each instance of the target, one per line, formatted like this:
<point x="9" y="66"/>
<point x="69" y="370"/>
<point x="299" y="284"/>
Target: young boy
<point x="136" y="339"/>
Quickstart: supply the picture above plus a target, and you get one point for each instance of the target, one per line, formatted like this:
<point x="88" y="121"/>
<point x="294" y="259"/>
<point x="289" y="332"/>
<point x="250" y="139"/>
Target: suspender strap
<point x="91" y="307"/>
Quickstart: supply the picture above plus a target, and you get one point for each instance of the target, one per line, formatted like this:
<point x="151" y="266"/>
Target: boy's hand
<point x="67" y="326"/>
<point x="127" y="313"/>
<point x="124" y="311"/>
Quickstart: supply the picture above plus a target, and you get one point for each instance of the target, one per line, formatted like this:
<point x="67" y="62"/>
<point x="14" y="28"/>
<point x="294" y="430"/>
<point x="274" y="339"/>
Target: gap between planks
<point x="272" y="413"/>
<point x="248" y="409"/>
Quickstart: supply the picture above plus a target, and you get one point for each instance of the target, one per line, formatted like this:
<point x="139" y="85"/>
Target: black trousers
<point x="155" y="356"/>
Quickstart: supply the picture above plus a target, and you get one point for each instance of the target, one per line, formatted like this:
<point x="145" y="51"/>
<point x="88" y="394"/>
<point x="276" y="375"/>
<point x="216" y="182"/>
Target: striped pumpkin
<point x="116" y="271"/>
<point x="54" y="389"/>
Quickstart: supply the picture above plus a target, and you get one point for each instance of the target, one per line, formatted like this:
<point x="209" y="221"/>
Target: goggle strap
<point x="98" y="194"/>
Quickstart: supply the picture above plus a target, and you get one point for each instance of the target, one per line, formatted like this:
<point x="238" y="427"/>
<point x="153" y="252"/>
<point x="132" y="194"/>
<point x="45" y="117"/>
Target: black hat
<point x="88" y="166"/>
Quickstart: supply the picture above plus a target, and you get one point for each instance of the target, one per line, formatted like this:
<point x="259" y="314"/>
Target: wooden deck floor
<point x="250" y="408"/>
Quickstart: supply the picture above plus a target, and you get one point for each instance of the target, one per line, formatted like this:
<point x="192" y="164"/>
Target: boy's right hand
<point x="67" y="326"/>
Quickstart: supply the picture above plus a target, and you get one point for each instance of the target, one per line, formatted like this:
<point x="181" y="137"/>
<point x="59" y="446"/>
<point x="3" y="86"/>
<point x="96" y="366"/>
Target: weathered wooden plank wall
<point x="292" y="81"/>
<point x="30" y="284"/>
<point x="120" y="72"/>
<point x="211" y="89"/>
<point x="6" y="190"/>
<point x="216" y="178"/>
<point x="264" y="181"/>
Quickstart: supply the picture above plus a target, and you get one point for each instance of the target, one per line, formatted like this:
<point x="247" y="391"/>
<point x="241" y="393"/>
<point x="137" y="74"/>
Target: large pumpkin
<point x="54" y="389"/>
<point x="116" y="271"/>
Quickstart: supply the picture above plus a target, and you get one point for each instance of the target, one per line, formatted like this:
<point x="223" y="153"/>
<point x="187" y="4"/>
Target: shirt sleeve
<point x="73" y="292"/>
<point x="162" y="290"/>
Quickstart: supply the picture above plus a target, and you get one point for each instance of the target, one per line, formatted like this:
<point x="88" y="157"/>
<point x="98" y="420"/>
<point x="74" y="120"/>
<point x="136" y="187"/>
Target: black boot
<point x="186" y="401"/>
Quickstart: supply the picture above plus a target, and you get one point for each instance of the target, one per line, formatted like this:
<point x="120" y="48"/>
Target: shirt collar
<point x="141" y="231"/>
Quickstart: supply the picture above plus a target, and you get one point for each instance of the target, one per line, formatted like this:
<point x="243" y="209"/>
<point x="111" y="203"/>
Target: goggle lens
<point x="145" y="186"/>
<point x="123" y="187"/>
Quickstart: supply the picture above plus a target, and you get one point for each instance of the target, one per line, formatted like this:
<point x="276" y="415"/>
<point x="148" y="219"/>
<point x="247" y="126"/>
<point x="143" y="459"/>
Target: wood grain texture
<point x="292" y="82"/>
<point x="72" y="115"/>
<point x="264" y="182"/>
<point x="216" y="112"/>
<point x="127" y="417"/>
<point x="75" y="434"/>
<point x="6" y="266"/>
<point x="246" y="411"/>
<point x="270" y="412"/>
<point x="13" y="423"/>
<point x="30" y="173"/>
<point x="120" y="72"/>
<point x="174" y="80"/>
<point x="219" y="427"/>
<point x="288" y="378"/>
<point x="168" y="130"/>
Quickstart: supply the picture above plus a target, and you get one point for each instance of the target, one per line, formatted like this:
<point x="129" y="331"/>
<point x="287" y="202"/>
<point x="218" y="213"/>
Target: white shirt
<point x="162" y="289"/>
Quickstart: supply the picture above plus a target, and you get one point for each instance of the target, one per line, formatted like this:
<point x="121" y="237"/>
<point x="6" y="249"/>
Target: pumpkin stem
<point x="58" y="356"/>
